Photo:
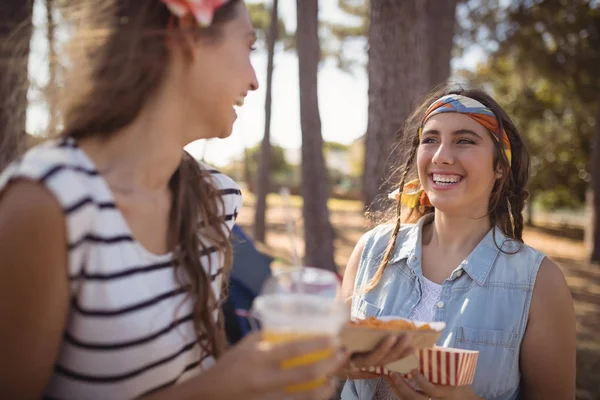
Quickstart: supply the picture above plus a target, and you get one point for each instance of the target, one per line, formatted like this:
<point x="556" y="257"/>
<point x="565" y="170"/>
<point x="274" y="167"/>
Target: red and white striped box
<point x="439" y="365"/>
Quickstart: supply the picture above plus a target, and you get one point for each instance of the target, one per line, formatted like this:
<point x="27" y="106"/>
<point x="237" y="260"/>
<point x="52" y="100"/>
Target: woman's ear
<point x="181" y="37"/>
<point x="499" y="171"/>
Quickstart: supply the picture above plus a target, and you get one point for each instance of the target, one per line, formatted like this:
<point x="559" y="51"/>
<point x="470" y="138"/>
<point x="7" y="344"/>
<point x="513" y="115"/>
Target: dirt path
<point x="568" y="252"/>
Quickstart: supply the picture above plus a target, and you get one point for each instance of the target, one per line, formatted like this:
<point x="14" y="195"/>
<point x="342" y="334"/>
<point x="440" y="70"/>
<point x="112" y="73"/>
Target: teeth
<point x="239" y="101"/>
<point x="438" y="178"/>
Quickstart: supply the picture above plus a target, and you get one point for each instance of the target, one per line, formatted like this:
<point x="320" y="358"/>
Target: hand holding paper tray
<point x="364" y="336"/>
<point x="446" y="366"/>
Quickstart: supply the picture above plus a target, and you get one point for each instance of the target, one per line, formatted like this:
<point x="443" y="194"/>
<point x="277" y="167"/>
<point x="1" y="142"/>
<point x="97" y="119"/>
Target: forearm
<point x="543" y="393"/>
<point x="347" y="372"/>
<point x="471" y="395"/>
<point x="193" y="389"/>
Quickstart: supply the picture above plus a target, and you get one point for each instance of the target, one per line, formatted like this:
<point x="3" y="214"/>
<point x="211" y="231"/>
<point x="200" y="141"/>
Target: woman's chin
<point x="449" y="206"/>
<point x="225" y="133"/>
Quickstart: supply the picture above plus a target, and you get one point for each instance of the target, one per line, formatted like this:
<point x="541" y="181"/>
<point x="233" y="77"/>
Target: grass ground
<point x="562" y="245"/>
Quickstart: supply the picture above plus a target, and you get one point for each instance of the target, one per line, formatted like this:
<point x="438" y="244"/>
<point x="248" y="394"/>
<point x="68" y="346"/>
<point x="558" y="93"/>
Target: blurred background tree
<point x="15" y="35"/>
<point x="543" y="69"/>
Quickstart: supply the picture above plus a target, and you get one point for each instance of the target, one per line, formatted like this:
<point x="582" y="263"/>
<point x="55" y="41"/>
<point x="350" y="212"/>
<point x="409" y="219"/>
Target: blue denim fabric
<point x="485" y="302"/>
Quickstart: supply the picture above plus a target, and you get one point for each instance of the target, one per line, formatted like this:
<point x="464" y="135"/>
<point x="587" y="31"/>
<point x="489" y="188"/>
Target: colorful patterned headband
<point x="473" y="109"/>
<point x="413" y="194"/>
<point x="202" y="10"/>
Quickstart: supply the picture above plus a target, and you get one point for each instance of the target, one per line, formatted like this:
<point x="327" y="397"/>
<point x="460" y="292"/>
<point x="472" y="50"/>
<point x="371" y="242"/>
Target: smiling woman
<point x="450" y="157"/>
<point x="116" y="242"/>
<point x="464" y="261"/>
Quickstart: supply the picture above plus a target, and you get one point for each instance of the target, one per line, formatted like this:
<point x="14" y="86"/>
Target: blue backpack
<point x="251" y="269"/>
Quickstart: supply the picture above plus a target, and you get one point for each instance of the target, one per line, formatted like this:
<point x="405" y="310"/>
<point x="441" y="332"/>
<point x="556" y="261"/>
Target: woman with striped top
<point x="115" y="242"/>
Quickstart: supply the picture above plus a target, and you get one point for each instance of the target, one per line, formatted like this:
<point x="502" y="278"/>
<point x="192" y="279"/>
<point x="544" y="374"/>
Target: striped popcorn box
<point x="448" y="366"/>
<point x="439" y="365"/>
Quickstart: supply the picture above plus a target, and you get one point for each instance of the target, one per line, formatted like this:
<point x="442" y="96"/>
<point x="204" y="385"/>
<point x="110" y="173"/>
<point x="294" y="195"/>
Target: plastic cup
<point x="300" y="305"/>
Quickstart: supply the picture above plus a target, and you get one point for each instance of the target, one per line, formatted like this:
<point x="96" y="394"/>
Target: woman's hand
<point x="252" y="370"/>
<point x="390" y="349"/>
<point x="429" y="391"/>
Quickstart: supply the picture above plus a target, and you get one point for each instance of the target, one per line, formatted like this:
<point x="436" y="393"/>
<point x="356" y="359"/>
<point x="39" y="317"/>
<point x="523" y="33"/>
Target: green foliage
<point x="334" y="36"/>
<point x="543" y="72"/>
<point x="553" y="124"/>
<point x="479" y="23"/>
<point x="260" y="17"/>
<point x="278" y="165"/>
<point x="561" y="40"/>
<point x="334" y="146"/>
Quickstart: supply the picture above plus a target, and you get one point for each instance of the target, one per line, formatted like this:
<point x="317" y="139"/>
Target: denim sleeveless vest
<point x="485" y="302"/>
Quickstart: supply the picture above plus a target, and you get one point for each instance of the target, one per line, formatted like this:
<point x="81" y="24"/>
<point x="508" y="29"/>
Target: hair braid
<point x="392" y="243"/>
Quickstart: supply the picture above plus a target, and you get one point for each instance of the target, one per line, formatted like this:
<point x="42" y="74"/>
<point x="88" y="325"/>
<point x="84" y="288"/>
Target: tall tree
<point x="15" y="34"/>
<point x="263" y="181"/>
<point x="560" y="41"/>
<point x="441" y="27"/>
<point x="595" y="167"/>
<point x="318" y="233"/>
<point x="554" y="123"/>
<point x="52" y="65"/>
<point x="260" y="17"/>
<point x="410" y="47"/>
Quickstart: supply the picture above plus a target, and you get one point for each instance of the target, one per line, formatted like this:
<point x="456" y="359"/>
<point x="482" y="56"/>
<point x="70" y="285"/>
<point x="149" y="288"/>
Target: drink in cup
<point x="297" y="304"/>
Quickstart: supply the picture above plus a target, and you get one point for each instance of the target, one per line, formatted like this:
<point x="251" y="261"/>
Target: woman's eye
<point x="465" y="141"/>
<point x="427" y="140"/>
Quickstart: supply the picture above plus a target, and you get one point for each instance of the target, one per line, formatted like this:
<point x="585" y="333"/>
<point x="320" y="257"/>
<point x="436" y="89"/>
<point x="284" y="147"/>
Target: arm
<point x="252" y="371"/>
<point x="549" y="345"/>
<point x="35" y="303"/>
<point x="34" y="288"/>
<point x="351" y="270"/>
<point x="389" y="349"/>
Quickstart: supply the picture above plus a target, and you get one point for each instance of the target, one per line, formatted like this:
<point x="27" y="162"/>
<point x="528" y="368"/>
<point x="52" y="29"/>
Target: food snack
<point x="393" y="324"/>
<point x="364" y="335"/>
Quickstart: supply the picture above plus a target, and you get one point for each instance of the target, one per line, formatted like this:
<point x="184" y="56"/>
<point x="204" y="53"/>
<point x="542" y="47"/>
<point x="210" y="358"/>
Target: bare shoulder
<point x="551" y="301"/>
<point x="33" y="275"/>
<point x="351" y="269"/>
<point x="25" y="200"/>
<point x="31" y="218"/>
<point x="550" y="338"/>
<point x="359" y="248"/>
<point x="551" y="283"/>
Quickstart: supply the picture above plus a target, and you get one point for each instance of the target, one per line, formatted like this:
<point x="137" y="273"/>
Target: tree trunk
<point x="398" y="71"/>
<point x="442" y="22"/>
<point x="318" y="233"/>
<point x="15" y="35"/>
<point x="589" y="224"/>
<point x="529" y="215"/>
<point x="52" y="63"/>
<point x="595" y="257"/>
<point x="247" y="173"/>
<point x="263" y="182"/>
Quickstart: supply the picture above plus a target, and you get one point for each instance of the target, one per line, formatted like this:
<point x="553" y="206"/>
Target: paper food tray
<point x="439" y="365"/>
<point x="358" y="339"/>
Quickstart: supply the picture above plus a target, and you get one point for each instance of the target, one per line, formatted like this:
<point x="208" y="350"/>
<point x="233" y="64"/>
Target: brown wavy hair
<point x="507" y="200"/>
<point x="118" y="58"/>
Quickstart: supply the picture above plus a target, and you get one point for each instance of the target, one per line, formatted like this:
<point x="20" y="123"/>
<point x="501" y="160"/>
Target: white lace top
<point x="424" y="311"/>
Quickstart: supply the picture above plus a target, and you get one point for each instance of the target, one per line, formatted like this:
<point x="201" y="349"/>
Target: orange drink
<point x="287" y="317"/>
<point x="307" y="359"/>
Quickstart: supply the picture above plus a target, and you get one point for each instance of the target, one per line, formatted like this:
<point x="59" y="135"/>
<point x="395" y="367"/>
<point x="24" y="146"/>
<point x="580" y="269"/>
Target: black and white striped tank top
<point x="130" y="330"/>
